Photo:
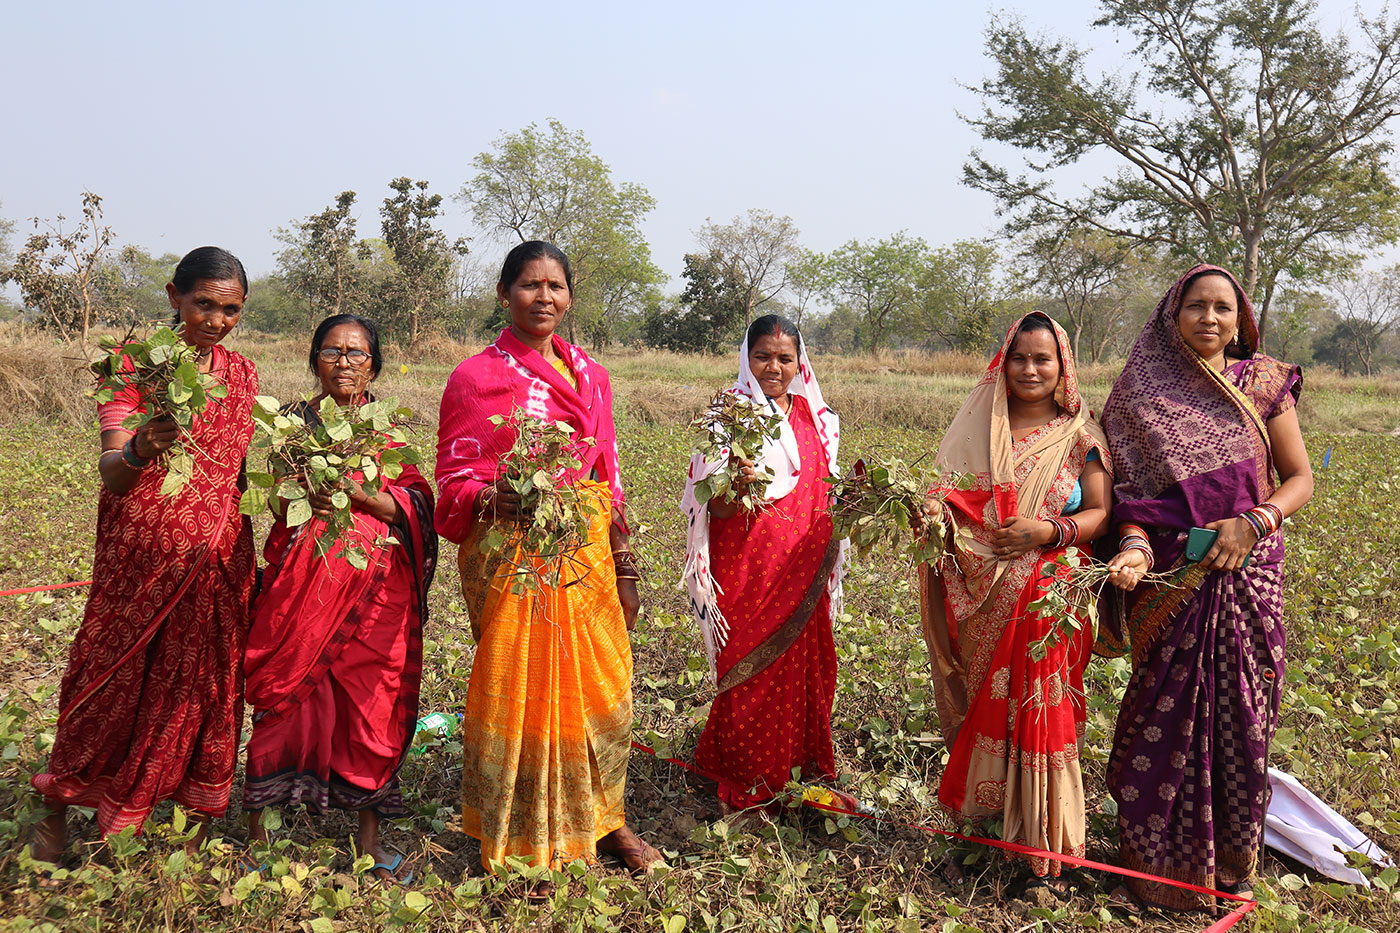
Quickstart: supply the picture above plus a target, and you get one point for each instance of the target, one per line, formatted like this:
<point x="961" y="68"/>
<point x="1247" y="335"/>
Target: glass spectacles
<point x="333" y="355"/>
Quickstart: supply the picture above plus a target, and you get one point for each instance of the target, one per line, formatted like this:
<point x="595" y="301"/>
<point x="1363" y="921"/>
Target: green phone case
<point x="1199" y="541"/>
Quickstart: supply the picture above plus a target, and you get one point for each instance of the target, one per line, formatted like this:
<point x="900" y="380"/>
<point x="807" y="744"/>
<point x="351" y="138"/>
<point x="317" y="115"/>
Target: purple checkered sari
<point x="1188" y="766"/>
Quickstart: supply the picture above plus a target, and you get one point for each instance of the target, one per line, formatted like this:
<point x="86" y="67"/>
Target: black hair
<point x="207" y="263"/>
<point x="376" y="356"/>
<point x="772" y="324"/>
<point x="529" y="251"/>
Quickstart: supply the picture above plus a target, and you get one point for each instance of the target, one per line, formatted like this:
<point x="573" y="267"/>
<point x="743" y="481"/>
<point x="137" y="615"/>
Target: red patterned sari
<point x="151" y="702"/>
<point x="1012" y="724"/>
<point x="764" y="564"/>
<point x="334" y="661"/>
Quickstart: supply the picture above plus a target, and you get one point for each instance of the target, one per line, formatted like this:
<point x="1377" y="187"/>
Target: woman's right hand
<point x="1128" y="568"/>
<point x="154" y="438"/>
<point x="501" y="503"/>
<point x="926" y="517"/>
<point x="745" y="477"/>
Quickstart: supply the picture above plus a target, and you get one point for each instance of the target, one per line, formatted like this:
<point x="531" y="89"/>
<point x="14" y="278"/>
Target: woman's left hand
<point x="1018" y="535"/>
<point x="631" y="602"/>
<point x="1234" y="540"/>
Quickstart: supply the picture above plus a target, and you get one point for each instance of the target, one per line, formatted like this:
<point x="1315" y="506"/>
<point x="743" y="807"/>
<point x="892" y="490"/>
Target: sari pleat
<point x="547" y="727"/>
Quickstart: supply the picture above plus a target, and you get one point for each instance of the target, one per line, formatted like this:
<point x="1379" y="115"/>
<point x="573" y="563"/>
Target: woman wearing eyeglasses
<point x="335" y="654"/>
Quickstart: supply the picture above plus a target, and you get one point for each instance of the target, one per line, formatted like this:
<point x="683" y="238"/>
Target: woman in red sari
<point x="765" y="585"/>
<point x="1040" y="484"/>
<point x="151" y="705"/>
<point x="335" y="654"/>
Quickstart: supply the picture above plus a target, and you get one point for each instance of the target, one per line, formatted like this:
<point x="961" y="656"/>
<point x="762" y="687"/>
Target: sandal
<point x="1058" y="886"/>
<point x="392" y="868"/>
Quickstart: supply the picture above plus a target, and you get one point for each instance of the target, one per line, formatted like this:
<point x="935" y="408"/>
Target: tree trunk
<point x="1249" y="277"/>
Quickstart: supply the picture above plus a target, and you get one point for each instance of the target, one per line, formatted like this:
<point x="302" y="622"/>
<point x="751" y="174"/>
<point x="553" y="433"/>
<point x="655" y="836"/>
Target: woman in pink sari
<point x="151" y="703"/>
<point x="765" y="585"/>
<point x="335" y="653"/>
<point x="548" y="723"/>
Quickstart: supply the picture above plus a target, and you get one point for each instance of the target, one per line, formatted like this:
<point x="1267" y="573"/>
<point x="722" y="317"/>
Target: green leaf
<point x="298" y="512"/>
<point x="254" y="501"/>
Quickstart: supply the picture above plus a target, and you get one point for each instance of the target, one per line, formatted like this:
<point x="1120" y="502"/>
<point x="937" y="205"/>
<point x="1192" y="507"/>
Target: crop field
<point x="1339" y="729"/>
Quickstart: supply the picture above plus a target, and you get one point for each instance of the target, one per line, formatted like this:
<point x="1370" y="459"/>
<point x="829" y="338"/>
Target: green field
<point x="1338" y="727"/>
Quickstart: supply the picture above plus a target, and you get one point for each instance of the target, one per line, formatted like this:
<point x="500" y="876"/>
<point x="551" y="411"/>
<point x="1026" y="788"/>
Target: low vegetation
<point x="810" y="871"/>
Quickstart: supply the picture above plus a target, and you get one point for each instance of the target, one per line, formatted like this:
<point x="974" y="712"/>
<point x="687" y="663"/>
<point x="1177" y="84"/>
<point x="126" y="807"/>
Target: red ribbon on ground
<point x="42" y="589"/>
<point x="1219" y="926"/>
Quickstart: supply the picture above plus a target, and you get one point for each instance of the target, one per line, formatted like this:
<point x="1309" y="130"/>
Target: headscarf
<point x="1173" y="419"/>
<point x="978" y="442"/>
<point x="780" y="456"/>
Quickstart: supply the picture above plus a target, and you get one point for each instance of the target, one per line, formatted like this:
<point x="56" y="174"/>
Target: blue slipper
<point x="391" y="868"/>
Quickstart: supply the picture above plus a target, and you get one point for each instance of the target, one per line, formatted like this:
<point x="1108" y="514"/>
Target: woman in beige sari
<point x="1011" y="703"/>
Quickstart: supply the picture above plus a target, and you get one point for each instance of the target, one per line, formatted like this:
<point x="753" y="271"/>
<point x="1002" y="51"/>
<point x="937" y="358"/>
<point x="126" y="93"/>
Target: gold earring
<point x="505" y="304"/>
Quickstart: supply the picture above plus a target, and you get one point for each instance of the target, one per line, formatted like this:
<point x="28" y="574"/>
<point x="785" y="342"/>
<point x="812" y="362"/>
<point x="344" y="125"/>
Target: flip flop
<point x="392" y="868"/>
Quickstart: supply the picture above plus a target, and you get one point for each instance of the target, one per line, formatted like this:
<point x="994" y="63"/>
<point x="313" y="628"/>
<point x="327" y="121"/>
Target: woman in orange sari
<point x="548" y="722"/>
<point x="152" y="700"/>
<point x="1040" y="484"/>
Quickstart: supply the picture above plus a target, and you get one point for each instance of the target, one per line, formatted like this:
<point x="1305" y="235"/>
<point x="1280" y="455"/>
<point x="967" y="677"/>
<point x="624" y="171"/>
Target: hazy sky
<point x="216" y="123"/>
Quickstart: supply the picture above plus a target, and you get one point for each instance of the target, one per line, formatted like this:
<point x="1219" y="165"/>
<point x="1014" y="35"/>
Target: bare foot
<point x="638" y="856"/>
<point x="49" y="837"/>
<point x="192" y="847"/>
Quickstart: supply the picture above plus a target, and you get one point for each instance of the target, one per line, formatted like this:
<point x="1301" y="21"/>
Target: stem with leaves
<point x="734" y="428"/>
<point x="163" y="372"/>
<point x="325" y="452"/>
<point x="883" y="500"/>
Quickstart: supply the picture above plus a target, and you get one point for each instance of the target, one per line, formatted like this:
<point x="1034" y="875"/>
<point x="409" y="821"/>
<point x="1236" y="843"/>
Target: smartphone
<point x="1199" y="542"/>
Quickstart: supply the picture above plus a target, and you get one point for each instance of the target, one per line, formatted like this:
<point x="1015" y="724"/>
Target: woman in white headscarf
<point x="765" y="584"/>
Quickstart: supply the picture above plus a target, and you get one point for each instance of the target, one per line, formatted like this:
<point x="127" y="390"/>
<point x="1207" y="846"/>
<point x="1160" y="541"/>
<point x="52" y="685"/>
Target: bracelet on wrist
<point x="131" y="458"/>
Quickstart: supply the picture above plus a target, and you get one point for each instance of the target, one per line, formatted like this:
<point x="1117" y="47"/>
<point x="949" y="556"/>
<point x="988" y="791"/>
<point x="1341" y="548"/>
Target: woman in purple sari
<point x="1205" y="434"/>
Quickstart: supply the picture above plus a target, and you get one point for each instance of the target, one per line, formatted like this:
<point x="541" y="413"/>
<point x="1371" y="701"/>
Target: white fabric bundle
<point x="1301" y="826"/>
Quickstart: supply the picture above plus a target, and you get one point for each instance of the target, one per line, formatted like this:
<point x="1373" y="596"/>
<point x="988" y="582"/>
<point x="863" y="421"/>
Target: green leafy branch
<point x="883" y="500"/>
<point x="163" y="371"/>
<point x="326" y="453"/>
<point x="537" y="467"/>
<point x="731" y="429"/>
<point x="1072" y="583"/>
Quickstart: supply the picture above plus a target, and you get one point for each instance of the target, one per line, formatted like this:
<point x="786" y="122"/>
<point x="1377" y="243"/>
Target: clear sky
<point x="218" y="122"/>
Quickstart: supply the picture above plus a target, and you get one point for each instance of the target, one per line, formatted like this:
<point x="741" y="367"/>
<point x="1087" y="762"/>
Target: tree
<point x="322" y="260"/>
<point x="1369" y="307"/>
<point x="538" y="186"/>
<point x="7" y="254"/>
<point x="1089" y="282"/>
<point x="958" y="296"/>
<point x="758" y="247"/>
<point x="1260" y="143"/>
<point x="806" y="277"/>
<point x="57" y="267"/>
<point x="132" y="286"/>
<point x="422" y="256"/>
<point x="876" y="279"/>
<point x="711" y="313"/>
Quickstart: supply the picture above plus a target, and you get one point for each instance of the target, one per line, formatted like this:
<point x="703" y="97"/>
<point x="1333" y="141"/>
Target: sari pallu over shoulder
<point x="504" y="376"/>
<point x="151" y="701"/>
<point x="1012" y="724"/>
<point x="1189" y="758"/>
